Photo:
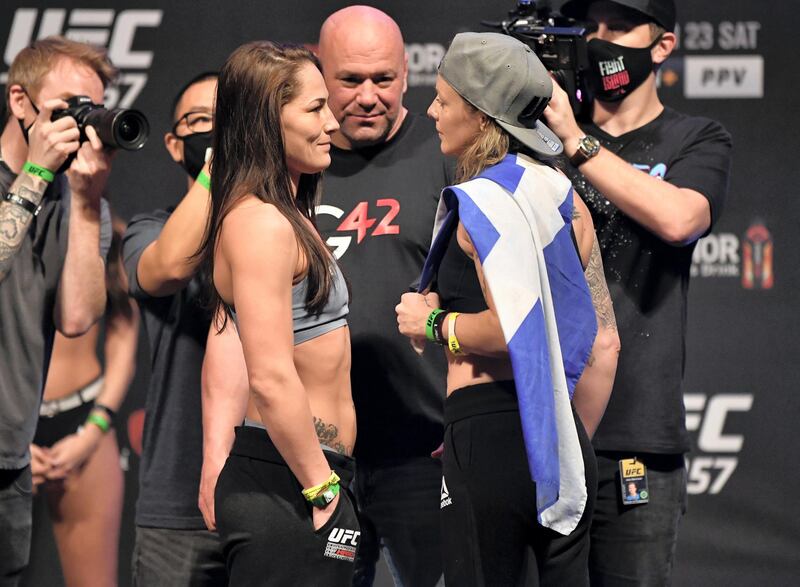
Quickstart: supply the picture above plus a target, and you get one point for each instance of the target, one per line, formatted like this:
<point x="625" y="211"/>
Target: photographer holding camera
<point x="55" y="231"/>
<point x="654" y="180"/>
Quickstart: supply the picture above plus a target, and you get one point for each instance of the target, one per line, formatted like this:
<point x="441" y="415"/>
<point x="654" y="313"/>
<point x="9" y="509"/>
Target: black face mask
<point x="22" y="127"/>
<point x="26" y="131"/>
<point x="616" y="71"/>
<point x="195" y="147"/>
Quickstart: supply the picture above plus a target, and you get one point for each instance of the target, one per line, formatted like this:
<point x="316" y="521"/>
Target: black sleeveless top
<point x="457" y="280"/>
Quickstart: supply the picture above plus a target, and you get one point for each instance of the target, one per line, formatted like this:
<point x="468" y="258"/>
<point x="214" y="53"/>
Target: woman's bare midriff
<point x="466" y="370"/>
<point x="323" y="364"/>
<point x="74" y="364"/>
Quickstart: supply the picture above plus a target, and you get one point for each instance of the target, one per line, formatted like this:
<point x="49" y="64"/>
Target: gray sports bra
<point x="334" y="313"/>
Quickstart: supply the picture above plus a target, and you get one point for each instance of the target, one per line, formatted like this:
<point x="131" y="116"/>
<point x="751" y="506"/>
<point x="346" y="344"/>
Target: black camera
<point x="118" y="128"/>
<point x="558" y="41"/>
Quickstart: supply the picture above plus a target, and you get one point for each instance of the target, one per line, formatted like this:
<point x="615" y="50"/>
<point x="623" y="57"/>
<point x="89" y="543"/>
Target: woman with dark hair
<point x="282" y="509"/>
<point x="513" y="309"/>
<point x="74" y="458"/>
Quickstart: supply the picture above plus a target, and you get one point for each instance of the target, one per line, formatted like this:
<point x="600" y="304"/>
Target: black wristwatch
<point x="588" y="147"/>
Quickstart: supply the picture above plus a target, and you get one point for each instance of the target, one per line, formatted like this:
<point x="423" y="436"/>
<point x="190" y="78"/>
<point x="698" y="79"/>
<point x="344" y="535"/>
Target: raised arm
<point x="81" y="296"/>
<point x="676" y="215"/>
<point x="260" y="248"/>
<point x="15" y="219"/>
<point x="225" y="394"/>
<point x="169" y="262"/>
<point x="49" y="145"/>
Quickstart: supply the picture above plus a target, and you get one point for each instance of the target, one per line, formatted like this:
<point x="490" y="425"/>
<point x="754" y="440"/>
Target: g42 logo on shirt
<point x="360" y="221"/>
<point x="706" y="416"/>
<point x="107" y="27"/>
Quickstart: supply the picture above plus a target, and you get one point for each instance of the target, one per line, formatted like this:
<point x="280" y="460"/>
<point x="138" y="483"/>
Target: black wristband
<point x="437" y="328"/>
<point x="112" y="415"/>
<point x="23" y="203"/>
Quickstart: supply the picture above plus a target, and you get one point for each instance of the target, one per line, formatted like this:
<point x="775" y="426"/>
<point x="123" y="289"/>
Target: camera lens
<point x="119" y="128"/>
<point x="130" y="130"/>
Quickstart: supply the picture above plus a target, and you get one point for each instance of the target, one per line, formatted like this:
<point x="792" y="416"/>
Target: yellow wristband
<point x="312" y="492"/>
<point x="452" y="341"/>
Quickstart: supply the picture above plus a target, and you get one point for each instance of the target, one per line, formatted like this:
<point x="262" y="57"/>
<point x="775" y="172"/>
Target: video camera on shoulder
<point x="118" y="128"/>
<point x="558" y="41"/>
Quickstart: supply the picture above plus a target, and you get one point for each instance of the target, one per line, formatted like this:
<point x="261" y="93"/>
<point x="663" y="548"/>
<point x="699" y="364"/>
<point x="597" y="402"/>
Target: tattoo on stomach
<point x="328" y="434"/>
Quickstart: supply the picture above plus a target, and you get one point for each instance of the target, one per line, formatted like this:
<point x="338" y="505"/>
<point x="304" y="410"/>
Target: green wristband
<point x="430" y="334"/>
<point x="38" y="171"/>
<point x="102" y="423"/>
<point x="204" y="180"/>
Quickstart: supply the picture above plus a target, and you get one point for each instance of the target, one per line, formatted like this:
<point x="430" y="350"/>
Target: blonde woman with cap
<point x="504" y="291"/>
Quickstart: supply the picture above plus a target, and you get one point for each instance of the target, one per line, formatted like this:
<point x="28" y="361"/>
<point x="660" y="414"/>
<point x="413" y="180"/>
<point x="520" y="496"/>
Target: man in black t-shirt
<point x="173" y="547"/>
<point x="55" y="231"/>
<point x="378" y="205"/>
<point x="655" y="181"/>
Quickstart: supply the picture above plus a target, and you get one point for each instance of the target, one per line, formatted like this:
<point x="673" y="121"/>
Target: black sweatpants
<point x="491" y="535"/>
<point x="265" y="523"/>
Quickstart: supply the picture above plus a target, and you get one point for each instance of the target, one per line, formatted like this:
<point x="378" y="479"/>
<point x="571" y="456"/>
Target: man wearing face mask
<point x="173" y="547"/>
<point x="655" y="181"/>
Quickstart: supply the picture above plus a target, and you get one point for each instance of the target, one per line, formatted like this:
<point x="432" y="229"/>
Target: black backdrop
<point x="735" y="63"/>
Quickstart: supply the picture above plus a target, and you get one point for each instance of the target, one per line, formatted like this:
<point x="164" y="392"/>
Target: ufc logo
<point x="99" y="26"/>
<point x="707" y="417"/>
<point x="342" y="536"/>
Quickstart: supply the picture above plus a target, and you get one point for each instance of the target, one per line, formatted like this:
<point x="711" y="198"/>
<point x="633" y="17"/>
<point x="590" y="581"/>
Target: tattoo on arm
<point x="601" y="299"/>
<point x="15" y="220"/>
<point x="328" y="434"/>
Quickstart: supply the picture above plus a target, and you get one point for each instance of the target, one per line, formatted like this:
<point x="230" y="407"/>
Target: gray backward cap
<point x="504" y="79"/>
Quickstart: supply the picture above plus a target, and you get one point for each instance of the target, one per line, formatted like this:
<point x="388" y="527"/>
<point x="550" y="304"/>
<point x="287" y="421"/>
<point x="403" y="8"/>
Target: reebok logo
<point x="342" y="544"/>
<point x="446" y="499"/>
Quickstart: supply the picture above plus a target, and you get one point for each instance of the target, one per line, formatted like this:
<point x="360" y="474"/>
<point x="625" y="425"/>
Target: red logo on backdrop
<point x="757" y="251"/>
<point x="136" y="430"/>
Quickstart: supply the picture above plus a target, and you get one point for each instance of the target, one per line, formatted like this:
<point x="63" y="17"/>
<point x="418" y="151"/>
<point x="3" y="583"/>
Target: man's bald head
<point x="372" y="26"/>
<point x="365" y="67"/>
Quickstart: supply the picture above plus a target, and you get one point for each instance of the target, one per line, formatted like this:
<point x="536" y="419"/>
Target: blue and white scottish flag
<point x="518" y="215"/>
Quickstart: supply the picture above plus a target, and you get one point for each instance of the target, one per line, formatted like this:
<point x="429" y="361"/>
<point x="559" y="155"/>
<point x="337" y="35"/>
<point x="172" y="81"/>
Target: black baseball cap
<point x="662" y="12"/>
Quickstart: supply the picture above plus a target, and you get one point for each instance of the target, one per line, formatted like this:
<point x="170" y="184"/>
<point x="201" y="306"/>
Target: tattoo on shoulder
<point x="601" y="299"/>
<point x="575" y="213"/>
<point x="328" y="434"/>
